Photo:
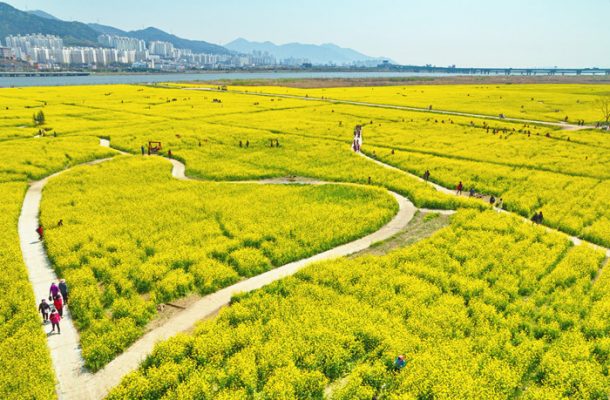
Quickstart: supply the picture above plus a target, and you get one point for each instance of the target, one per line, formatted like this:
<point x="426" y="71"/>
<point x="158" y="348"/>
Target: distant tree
<point x="39" y="118"/>
<point x="604" y="106"/>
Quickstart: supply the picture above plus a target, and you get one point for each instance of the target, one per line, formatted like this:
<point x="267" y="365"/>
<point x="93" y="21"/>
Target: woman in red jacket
<point x="59" y="304"/>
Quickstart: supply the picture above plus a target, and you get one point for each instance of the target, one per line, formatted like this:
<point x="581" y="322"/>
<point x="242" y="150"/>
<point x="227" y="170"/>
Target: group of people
<point x="357" y="142"/>
<point x="472" y="193"/>
<point x="54" y="312"/>
<point x="537" y="218"/>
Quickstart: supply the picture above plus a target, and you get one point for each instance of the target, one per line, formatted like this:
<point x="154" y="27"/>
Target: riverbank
<point x="313" y="83"/>
<point x="302" y="79"/>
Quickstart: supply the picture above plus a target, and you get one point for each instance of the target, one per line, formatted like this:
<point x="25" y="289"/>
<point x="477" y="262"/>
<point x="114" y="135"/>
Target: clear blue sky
<point x="536" y="33"/>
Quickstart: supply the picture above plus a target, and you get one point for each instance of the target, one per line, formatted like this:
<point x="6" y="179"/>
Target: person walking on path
<point x="492" y="200"/>
<point x="55" y="318"/>
<point x="169" y="153"/>
<point x="40" y="231"/>
<point x="53" y="290"/>
<point x="59" y="304"/>
<point x="44" y="308"/>
<point x="426" y="175"/>
<point x="63" y="289"/>
<point x="459" y="188"/>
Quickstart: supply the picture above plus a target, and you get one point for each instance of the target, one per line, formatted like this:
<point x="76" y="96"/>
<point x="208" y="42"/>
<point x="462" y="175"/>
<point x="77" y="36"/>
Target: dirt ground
<point x="423" y="225"/>
<point x="441" y="80"/>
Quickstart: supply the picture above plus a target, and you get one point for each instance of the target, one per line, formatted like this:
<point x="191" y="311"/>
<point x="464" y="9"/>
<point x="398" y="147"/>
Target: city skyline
<point x="467" y="33"/>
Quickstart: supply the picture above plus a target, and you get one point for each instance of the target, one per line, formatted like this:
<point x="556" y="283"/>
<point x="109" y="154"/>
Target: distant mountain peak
<point x="327" y="53"/>
<point x="42" y="14"/>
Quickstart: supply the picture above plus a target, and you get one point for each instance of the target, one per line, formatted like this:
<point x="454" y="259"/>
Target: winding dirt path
<point x="562" y="125"/>
<point x="73" y="380"/>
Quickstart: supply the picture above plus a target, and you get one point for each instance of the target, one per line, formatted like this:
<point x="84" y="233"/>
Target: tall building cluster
<point x="49" y="52"/>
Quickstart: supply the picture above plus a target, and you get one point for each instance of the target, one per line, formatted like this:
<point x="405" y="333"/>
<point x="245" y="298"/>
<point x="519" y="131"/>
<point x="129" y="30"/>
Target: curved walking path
<point x="562" y="125"/>
<point x="575" y="240"/>
<point x="73" y="380"/>
<point x="64" y="348"/>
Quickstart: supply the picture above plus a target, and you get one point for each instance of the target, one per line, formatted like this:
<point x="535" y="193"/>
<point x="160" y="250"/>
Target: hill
<point x="42" y="14"/>
<point x="13" y="21"/>
<point x="318" y="54"/>
<point x="107" y="30"/>
<point x="197" y="46"/>
<point x="151" y="33"/>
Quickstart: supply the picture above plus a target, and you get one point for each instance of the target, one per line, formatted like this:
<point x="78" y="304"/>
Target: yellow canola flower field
<point x="547" y="102"/>
<point x="574" y="204"/>
<point x="35" y="158"/>
<point x="562" y="173"/>
<point x="134" y="237"/>
<point x="489" y="307"/>
<point x="25" y="363"/>
<point x="26" y="371"/>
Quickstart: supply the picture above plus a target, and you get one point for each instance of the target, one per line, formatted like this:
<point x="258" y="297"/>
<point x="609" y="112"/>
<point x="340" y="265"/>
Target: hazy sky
<point x="537" y="33"/>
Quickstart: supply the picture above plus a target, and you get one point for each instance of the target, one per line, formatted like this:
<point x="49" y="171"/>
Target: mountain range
<point x="74" y="33"/>
<point x="316" y="54"/>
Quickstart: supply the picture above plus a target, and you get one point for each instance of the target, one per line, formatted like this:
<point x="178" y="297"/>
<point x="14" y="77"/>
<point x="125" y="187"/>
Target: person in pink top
<point x="55" y="318"/>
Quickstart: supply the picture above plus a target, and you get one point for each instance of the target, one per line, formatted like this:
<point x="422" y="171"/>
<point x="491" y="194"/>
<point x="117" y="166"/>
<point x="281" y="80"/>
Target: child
<point x="44" y="310"/>
<point x="55" y="318"/>
<point x="59" y="304"/>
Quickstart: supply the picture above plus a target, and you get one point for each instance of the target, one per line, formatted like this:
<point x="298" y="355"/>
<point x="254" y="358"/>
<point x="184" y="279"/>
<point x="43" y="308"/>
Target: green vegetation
<point x="25" y="364"/>
<point x="489" y="307"/>
<point x="134" y="237"/>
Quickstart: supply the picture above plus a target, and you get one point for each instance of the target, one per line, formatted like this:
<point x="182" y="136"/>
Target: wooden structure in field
<point x="154" y="147"/>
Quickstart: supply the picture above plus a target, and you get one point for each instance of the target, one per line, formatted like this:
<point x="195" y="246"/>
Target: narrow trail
<point x="73" y="380"/>
<point x="575" y="240"/>
<point x="562" y="125"/>
<point x="65" y="348"/>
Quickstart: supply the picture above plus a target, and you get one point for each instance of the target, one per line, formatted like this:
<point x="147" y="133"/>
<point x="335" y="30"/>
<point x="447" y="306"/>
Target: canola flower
<point x="486" y="308"/>
<point x="134" y="237"/>
<point x="547" y="102"/>
<point x="563" y="174"/>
